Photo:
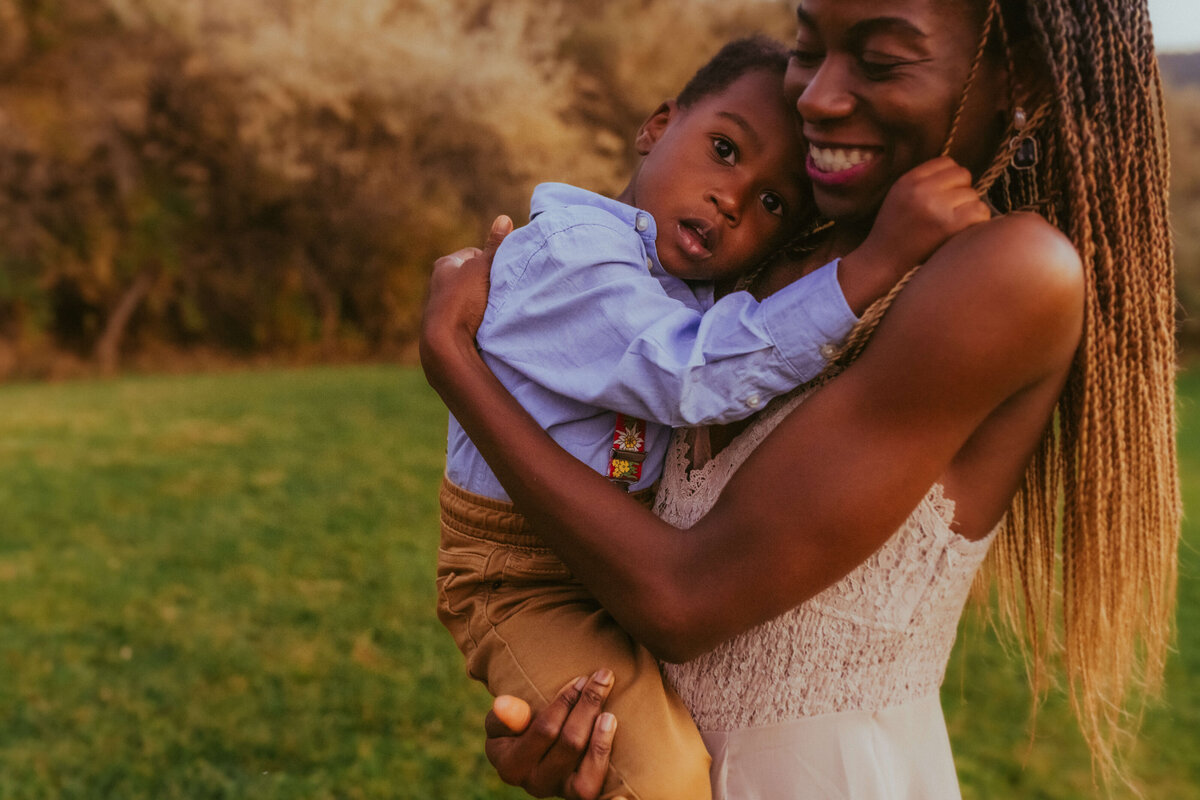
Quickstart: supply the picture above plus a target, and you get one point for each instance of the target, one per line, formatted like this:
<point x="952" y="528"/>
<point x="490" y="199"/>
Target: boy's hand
<point x="925" y="207"/>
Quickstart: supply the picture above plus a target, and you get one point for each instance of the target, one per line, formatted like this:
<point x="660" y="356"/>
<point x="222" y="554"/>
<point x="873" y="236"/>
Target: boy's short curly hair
<point x="732" y="62"/>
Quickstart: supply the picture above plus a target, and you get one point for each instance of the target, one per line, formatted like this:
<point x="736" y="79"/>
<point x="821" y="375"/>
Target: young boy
<point x="600" y="321"/>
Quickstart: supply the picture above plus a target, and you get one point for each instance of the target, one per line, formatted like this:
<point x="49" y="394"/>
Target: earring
<point x="1023" y="147"/>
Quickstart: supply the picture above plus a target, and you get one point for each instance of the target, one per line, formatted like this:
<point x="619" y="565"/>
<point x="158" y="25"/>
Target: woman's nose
<point x="827" y="94"/>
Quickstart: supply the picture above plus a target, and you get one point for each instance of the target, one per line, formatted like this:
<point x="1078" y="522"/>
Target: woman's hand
<point x="564" y="750"/>
<point x="458" y="291"/>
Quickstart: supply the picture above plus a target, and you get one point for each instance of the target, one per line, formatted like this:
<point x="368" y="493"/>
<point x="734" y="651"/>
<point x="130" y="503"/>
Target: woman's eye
<point x="772" y="202"/>
<point x="880" y="68"/>
<point x="806" y="58"/>
<point x="725" y="150"/>
<point x="877" y="69"/>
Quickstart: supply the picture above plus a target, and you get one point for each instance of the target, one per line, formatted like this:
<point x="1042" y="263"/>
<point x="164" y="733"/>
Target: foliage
<point x="222" y="587"/>
<point x="1183" y="116"/>
<point x="278" y="176"/>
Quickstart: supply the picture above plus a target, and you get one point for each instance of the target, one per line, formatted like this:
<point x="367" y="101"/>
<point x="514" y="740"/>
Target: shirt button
<point x="827" y="351"/>
<point x="753" y="401"/>
<point x="643" y="222"/>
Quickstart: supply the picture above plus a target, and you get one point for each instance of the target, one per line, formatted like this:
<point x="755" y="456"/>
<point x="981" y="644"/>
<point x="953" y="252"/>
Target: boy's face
<point x="723" y="178"/>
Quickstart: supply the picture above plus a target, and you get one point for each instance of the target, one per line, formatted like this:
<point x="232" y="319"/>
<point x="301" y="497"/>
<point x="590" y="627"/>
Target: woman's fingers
<point x="588" y="780"/>
<point x="518" y="757"/>
<point x="509" y="716"/>
<point x="457" y="298"/>
<point x="564" y="750"/>
<point x="573" y="739"/>
<point x="457" y="258"/>
<point x="501" y="226"/>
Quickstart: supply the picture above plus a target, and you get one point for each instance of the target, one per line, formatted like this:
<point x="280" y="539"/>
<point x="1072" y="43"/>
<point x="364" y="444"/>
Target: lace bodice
<point x="879" y="637"/>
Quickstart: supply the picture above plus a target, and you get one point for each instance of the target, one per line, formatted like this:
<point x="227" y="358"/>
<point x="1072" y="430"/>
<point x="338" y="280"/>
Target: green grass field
<point x="221" y="587"/>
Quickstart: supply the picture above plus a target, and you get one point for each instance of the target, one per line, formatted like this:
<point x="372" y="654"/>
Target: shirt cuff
<point x="808" y="320"/>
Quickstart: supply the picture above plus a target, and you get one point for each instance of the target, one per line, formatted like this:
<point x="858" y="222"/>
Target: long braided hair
<point x="1099" y="506"/>
<point x="1110" y="457"/>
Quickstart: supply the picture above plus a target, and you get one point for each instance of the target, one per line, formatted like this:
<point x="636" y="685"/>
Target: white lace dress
<point x="837" y="698"/>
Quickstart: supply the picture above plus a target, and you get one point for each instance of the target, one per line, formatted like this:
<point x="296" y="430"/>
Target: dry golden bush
<point x="279" y="175"/>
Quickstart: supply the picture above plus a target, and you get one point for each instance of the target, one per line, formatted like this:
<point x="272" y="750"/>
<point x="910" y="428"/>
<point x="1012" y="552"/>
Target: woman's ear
<point x="655" y="125"/>
<point x="1029" y="83"/>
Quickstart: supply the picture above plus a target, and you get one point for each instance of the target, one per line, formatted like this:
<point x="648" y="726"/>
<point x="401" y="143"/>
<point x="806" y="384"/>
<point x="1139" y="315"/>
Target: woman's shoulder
<point x="1003" y="295"/>
<point x="1023" y="251"/>
<point x="1015" y="269"/>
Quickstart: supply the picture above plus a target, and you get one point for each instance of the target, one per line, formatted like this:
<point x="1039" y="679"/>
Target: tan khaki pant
<point x="527" y="627"/>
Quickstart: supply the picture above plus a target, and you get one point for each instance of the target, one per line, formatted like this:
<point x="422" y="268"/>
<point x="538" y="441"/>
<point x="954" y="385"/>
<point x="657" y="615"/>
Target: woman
<point x="839" y="533"/>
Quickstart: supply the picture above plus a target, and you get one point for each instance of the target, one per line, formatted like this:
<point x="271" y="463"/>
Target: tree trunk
<point x="326" y="300"/>
<point x="108" y="346"/>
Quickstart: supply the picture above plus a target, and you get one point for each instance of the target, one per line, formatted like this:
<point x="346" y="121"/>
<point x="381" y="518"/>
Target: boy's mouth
<point x="693" y="237"/>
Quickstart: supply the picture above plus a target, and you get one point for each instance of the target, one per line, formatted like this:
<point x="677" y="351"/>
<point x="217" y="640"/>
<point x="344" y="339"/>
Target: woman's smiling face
<point x="876" y="83"/>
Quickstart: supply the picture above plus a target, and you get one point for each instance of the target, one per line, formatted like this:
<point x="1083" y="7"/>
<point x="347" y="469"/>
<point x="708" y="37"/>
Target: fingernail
<point x="608" y="722"/>
<point x="603" y="676"/>
<point x="580" y="682"/>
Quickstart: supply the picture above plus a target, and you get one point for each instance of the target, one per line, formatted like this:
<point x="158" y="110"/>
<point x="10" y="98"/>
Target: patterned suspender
<point x="628" y="451"/>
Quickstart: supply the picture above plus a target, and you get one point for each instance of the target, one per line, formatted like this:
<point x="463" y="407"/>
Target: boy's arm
<point x="606" y="333"/>
<point x="735" y="357"/>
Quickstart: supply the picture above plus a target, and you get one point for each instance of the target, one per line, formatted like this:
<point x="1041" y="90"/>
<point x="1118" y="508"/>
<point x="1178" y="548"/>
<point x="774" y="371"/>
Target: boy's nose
<point x="728" y="200"/>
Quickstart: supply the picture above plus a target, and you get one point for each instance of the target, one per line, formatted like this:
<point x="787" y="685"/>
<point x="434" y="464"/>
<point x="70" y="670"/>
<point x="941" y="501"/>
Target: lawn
<point x="221" y="587"/>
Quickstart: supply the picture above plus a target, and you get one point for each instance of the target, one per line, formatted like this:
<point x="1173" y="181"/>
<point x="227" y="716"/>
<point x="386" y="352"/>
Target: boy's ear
<point x="654" y="127"/>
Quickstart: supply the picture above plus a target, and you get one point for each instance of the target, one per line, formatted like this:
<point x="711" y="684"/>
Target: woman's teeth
<point x="836" y="160"/>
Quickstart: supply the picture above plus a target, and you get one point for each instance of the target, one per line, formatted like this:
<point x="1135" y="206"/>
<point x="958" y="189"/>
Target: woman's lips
<point x="693" y="239"/>
<point x="834" y="166"/>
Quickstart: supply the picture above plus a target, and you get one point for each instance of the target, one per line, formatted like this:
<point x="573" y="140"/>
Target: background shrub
<point x="275" y="178"/>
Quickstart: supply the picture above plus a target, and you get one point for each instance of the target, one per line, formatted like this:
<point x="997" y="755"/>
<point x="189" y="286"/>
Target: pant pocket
<point x="521" y="579"/>
<point x="461" y="598"/>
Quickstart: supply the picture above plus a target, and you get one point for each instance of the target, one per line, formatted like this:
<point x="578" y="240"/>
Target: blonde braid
<point x="1111" y="456"/>
<point x="976" y="61"/>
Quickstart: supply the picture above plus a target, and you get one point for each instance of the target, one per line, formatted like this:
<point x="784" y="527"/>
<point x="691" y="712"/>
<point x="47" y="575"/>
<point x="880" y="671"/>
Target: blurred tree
<point x="1183" y="118"/>
<point x="277" y="177"/>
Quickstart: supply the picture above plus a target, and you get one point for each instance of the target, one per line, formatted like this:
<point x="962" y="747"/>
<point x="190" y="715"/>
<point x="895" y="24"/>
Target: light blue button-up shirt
<point x="582" y="322"/>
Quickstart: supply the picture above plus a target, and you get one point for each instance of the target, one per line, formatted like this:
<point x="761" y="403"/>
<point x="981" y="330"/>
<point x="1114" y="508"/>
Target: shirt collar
<point x="554" y="195"/>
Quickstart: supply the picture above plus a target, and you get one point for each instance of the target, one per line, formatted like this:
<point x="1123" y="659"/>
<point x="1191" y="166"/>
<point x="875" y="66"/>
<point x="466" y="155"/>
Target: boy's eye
<point x="773" y="203"/>
<point x="725" y="150"/>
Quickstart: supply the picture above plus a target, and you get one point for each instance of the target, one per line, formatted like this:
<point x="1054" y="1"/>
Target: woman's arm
<point x="996" y="311"/>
